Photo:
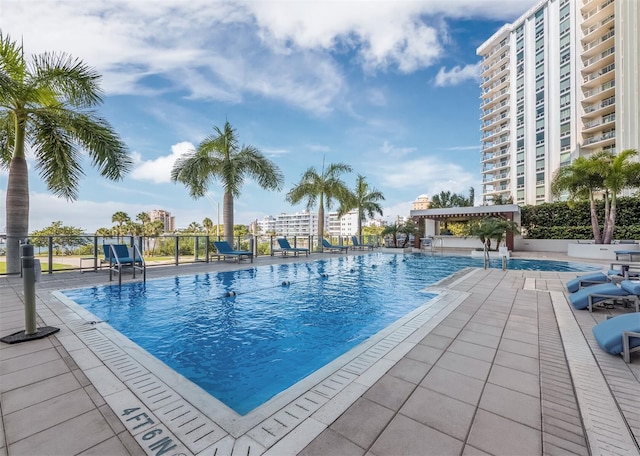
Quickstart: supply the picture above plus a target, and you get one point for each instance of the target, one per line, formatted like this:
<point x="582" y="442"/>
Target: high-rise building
<point x="165" y="217"/>
<point x="558" y="83"/>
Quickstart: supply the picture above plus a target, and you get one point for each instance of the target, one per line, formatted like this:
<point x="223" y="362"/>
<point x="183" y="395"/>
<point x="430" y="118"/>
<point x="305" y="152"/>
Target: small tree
<point x="64" y="239"/>
<point x="492" y="228"/>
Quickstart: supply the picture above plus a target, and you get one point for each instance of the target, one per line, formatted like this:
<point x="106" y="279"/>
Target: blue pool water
<point x="284" y="321"/>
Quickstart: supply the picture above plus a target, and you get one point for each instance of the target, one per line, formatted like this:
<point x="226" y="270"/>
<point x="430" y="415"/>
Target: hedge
<point x="572" y="220"/>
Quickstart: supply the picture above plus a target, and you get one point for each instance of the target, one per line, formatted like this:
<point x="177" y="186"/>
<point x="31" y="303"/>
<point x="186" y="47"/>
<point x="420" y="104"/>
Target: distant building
<point x="303" y="223"/>
<point x="422" y="202"/>
<point x="346" y="225"/>
<point x="165" y="217"/>
<point x="267" y="225"/>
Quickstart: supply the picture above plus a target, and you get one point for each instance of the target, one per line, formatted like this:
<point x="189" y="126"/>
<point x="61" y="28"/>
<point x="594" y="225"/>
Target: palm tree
<point x="194" y="227"/>
<point x="492" y="228"/>
<point x="603" y="174"/>
<point x="207" y="224"/>
<point x="619" y="175"/>
<point x="120" y="218"/>
<point x="365" y="200"/>
<point x="144" y="219"/>
<point x="45" y="105"/>
<point x="322" y="188"/>
<point x="218" y="157"/>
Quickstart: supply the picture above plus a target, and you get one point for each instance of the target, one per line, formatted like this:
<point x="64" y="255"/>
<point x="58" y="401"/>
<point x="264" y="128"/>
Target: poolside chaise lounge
<point x="617" y="272"/>
<point x="628" y="291"/>
<point x="619" y="335"/>
<point x="285" y="248"/>
<point x="630" y="253"/>
<point x="358" y="246"/>
<point x="225" y="250"/>
<point x="334" y="248"/>
<point x="120" y="255"/>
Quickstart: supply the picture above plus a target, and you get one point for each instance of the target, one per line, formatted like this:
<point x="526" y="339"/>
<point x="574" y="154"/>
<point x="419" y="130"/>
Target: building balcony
<point x="601" y="108"/>
<point x="598" y="44"/>
<point x="597" y="77"/>
<point x="590" y="33"/>
<point x="605" y="58"/>
<point x="593" y="13"/>
<point x="600" y="140"/>
<point x="603" y="122"/>
<point x="605" y="90"/>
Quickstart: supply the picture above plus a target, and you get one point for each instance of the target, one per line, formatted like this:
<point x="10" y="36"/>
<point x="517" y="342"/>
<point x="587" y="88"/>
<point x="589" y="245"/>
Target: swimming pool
<point x="244" y="336"/>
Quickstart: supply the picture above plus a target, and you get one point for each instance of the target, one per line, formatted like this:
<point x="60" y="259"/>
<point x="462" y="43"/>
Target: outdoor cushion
<point x="585" y="280"/>
<point x="608" y="333"/>
<point x="580" y="299"/>
<point x="630" y="287"/>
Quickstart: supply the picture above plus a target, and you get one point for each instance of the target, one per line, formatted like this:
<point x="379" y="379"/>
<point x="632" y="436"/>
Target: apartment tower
<point x="558" y="83"/>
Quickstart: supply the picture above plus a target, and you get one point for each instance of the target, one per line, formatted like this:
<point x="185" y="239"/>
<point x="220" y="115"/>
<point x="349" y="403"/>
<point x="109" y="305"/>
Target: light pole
<point x="213" y="201"/>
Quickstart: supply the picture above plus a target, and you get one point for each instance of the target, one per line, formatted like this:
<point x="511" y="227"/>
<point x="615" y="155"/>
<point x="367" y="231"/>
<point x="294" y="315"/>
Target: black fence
<point x="86" y="252"/>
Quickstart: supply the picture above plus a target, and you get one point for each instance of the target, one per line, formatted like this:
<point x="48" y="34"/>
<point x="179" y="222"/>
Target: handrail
<point x="486" y="254"/>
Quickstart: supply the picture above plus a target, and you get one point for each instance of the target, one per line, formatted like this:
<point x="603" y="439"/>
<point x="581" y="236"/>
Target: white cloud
<point x="458" y="75"/>
<point x="227" y="50"/>
<point x="158" y="170"/>
<point x="428" y="175"/>
<point x="395" y="152"/>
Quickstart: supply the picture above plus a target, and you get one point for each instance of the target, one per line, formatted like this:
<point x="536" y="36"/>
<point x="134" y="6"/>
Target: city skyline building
<point x="558" y="83"/>
<point x="165" y="217"/>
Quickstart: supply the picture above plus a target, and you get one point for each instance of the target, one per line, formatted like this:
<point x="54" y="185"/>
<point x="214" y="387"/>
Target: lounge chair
<point x="619" y="335"/>
<point x="358" y="246"/>
<point x="225" y="250"/>
<point x="628" y="291"/>
<point x="286" y="248"/>
<point x="630" y="253"/>
<point x="334" y="248"/>
<point x="586" y="281"/>
<point x="119" y="256"/>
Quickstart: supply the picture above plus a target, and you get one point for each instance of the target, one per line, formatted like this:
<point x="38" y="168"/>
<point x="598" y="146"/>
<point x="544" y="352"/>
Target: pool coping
<point x="153" y="400"/>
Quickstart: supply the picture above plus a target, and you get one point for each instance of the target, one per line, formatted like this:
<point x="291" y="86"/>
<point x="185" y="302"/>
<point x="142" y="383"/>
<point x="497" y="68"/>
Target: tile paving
<point x="499" y="368"/>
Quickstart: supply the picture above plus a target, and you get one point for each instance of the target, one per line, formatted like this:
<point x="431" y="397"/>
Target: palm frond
<point x="70" y="79"/>
<point x="7" y="139"/>
<point x="58" y="160"/>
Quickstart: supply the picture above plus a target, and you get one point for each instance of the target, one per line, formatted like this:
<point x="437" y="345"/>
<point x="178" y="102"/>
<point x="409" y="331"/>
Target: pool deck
<point x="501" y="364"/>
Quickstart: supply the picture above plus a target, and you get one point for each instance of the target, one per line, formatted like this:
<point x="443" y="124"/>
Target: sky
<point x="389" y="87"/>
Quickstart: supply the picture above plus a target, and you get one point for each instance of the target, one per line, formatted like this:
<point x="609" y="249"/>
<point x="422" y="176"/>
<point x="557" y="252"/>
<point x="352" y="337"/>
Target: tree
<point x="448" y="199"/>
<point x="492" y="228"/>
<point x="63" y="238"/>
<point x="120" y="218"/>
<point x="207" y="224"/>
<point x="601" y="175"/>
<point x="46" y="106"/>
<point x="321" y="188"/>
<point x="194" y="227"/>
<point x="365" y="201"/>
<point x="218" y="157"/>
<point x="619" y="175"/>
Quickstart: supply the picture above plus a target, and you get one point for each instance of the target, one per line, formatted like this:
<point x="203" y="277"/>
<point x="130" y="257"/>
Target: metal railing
<point x="85" y="253"/>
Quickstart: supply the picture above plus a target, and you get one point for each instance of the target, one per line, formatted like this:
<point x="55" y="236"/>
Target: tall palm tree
<point x="365" y="201"/>
<point x="219" y="157"/>
<point x="619" y="175"/>
<point x="322" y="188"/>
<point x="583" y="179"/>
<point x="120" y="218"/>
<point x="144" y="219"/>
<point x="604" y="174"/>
<point x="46" y="106"/>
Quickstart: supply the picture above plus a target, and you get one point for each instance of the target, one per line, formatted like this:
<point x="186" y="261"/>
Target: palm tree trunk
<point x="610" y="222"/>
<point x="320" y="222"/>
<point x="17" y="207"/>
<point x="595" y="226"/>
<point x="227" y="215"/>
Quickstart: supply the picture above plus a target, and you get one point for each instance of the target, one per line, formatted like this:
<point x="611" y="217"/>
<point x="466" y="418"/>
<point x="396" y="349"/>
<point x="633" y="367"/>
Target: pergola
<point x="463" y="214"/>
